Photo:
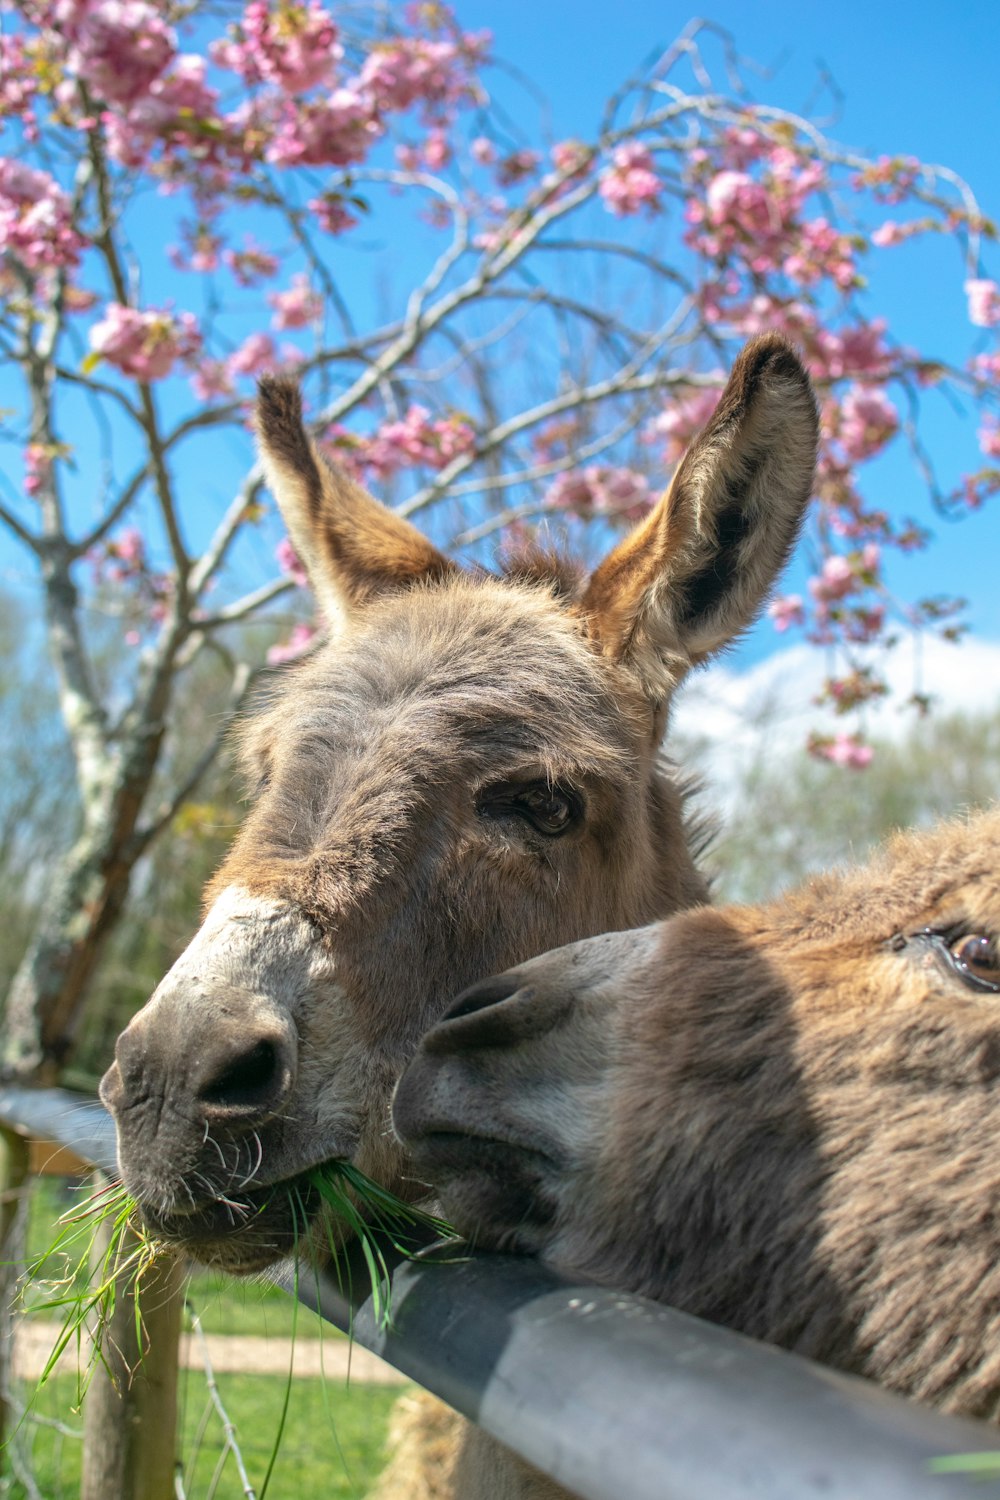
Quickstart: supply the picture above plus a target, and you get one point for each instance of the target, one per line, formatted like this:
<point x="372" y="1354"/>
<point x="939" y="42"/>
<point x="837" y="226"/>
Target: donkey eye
<point x="549" y="809"/>
<point x="975" y="956"/>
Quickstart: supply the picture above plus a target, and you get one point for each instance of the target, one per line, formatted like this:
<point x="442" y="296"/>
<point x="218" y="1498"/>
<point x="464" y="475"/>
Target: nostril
<point x="247" y="1083"/>
<point x="479" y="996"/>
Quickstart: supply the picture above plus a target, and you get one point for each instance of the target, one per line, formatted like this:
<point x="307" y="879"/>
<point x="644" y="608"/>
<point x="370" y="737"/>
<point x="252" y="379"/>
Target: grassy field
<point x="331" y="1445"/>
<point x="333" y="1440"/>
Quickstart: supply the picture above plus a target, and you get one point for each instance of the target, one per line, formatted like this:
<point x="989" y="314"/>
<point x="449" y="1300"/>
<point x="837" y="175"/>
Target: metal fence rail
<point x="615" y="1397"/>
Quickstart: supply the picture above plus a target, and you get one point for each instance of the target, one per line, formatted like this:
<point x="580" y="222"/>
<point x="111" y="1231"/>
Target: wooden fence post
<point x="130" y="1414"/>
<point x="13" y="1177"/>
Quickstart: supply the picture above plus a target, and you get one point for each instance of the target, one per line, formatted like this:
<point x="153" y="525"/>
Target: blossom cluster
<point x="415" y="440"/>
<point x="35" y="219"/>
<point x="601" y="489"/>
<point x="145" y="345"/>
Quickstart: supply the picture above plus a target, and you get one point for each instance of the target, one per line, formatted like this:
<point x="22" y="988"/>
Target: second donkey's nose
<point x="496" y="1012"/>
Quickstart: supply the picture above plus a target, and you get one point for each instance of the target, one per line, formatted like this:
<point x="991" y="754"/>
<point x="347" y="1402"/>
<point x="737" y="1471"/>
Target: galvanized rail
<point x="615" y="1397"/>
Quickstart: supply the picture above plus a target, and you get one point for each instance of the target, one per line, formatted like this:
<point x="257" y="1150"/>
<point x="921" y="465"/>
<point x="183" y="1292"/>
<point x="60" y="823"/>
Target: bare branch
<point x="248" y="605"/>
<point x="18" y="528"/>
<point x="114" y="514"/>
<point x="225" y="533"/>
<point x="228" y="1428"/>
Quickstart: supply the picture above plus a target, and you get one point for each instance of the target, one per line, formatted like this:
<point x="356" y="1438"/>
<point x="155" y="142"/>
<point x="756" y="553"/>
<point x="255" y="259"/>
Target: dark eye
<point x="549" y="809"/>
<point x="975" y="956"/>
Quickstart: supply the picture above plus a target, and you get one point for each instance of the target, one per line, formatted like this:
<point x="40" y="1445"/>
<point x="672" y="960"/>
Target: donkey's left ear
<point x="697" y="570"/>
<point x="351" y="546"/>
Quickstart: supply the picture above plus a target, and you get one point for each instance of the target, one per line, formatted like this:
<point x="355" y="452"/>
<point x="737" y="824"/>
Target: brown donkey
<point x="781" y="1118"/>
<point x="467" y="774"/>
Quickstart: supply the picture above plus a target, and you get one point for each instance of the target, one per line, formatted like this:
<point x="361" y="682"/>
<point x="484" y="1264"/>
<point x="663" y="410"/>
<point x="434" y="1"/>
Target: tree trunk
<point x="130" y="1414"/>
<point x="46" y="993"/>
<point x="13" y="1211"/>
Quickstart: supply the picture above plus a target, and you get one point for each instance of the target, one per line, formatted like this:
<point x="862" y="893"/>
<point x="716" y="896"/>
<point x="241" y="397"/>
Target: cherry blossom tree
<point x="191" y="194"/>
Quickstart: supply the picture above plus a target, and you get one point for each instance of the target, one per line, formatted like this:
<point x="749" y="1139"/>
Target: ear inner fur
<point x="352" y="547"/>
<point x="697" y="570"/>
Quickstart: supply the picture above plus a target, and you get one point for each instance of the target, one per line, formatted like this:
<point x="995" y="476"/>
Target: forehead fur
<point x="498" y="664"/>
<point x="949" y="873"/>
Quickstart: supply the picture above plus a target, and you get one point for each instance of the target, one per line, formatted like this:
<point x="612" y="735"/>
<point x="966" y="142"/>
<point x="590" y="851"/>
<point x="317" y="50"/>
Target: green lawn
<point x="333" y="1440"/>
<point x="331" y="1445"/>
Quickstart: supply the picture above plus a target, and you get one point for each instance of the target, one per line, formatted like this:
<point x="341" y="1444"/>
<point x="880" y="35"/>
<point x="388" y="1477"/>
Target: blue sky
<point x="921" y="79"/>
<point x="915" y="79"/>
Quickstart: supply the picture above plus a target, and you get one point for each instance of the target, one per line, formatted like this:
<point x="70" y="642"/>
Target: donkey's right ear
<point x="351" y="547"/>
<point x="698" y="569"/>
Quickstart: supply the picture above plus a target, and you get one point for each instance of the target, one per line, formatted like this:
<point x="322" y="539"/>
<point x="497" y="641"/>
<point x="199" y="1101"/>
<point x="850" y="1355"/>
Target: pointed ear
<point x="697" y="570"/>
<point x="351" y="547"/>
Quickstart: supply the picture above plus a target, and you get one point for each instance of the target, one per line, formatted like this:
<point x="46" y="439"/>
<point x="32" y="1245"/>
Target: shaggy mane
<point x="533" y="563"/>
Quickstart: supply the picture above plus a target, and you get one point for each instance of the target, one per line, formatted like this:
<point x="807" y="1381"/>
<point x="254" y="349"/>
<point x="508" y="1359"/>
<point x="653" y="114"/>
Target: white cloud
<point x="768" y="710"/>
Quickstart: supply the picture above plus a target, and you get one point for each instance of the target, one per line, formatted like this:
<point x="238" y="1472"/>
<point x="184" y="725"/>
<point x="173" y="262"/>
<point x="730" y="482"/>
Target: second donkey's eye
<point x="975" y="956"/>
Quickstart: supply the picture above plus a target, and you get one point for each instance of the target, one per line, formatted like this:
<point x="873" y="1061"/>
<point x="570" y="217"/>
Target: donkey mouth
<point x="243" y="1232"/>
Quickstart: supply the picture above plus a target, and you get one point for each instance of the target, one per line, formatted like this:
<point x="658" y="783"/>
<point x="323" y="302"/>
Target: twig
<point x="231" y="1445"/>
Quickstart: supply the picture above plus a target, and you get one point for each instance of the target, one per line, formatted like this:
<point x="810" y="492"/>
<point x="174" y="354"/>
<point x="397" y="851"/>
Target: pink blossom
<point x="332" y="132"/>
<point x="331" y="214"/>
<point x="729" y="192"/>
<point x="516" y="166"/>
<point x="289" y="562"/>
<point x="856" y="351"/>
<point x="146" y="344"/>
<point x="293" y="46"/>
<point x="202" y="254"/>
<point x="742" y="146"/>
<point x="251" y="264"/>
<point x="37" y="467"/>
<point x="683" y="419"/>
<point x="418" y="439"/>
<point x="631" y="181"/>
<point x="890" y="233"/>
<point x="211" y="380"/>
<point x="868" y="420"/>
<point x="437" y="150"/>
<point x="301" y="638"/>
<point x="177" y="111"/>
<point x="298" y="307"/>
<point x="19" y="81"/>
<point x="835" y="579"/>
<point x="820" y="251"/>
<point x="255" y="354"/>
<point x="984" y="303"/>
<point x="130" y="547"/>
<point x="483" y="151"/>
<point x="786" y="611"/>
<point x="570" y="156"/>
<point x="410" y="69"/>
<point x="601" y="489"/>
<point x="35" y="218"/>
<point x="989" y="437"/>
<point x="120" y="48"/>
<point x="863" y="625"/>
<point x="986" y="367"/>
<point x="845" y="750"/>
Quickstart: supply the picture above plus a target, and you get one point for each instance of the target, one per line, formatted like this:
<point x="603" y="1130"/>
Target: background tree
<point x="173" y="171"/>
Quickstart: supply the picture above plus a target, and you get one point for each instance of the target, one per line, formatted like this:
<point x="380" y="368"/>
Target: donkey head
<point x="466" y="774"/>
<point x="780" y="1118"/>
